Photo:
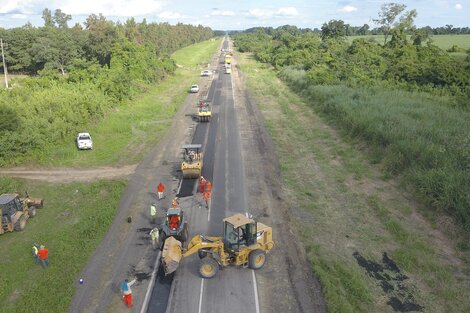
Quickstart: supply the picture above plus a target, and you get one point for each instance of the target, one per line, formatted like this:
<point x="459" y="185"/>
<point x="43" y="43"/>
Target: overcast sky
<point x="234" y="14"/>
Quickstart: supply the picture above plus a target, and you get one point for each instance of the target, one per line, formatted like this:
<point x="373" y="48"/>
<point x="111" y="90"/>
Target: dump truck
<point x="204" y="113"/>
<point x="192" y="161"/>
<point x="245" y="243"/>
<point x="15" y="211"/>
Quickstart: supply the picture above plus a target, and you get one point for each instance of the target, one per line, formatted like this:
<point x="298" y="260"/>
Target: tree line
<point x="57" y="46"/>
<point x="407" y="100"/>
<point x="77" y="74"/>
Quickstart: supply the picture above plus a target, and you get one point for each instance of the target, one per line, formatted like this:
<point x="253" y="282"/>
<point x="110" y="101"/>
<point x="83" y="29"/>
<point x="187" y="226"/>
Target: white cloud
<point x="260" y="13"/>
<point x="289" y="11"/>
<point x="348" y="9"/>
<point x="19" y="16"/>
<point x="286" y="12"/>
<point x="217" y="12"/>
<point x="171" y="15"/>
<point x="14" y="6"/>
<point x="458" y="6"/>
<point x="111" y="7"/>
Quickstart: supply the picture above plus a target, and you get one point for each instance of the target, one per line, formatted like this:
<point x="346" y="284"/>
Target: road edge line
<point x="150" y="286"/>
<point x="200" y="295"/>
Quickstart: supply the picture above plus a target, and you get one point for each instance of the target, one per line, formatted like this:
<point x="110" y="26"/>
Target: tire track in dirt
<point x="67" y="175"/>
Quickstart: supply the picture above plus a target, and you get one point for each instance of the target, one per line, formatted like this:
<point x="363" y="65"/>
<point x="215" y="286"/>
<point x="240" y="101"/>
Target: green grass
<point x="71" y="225"/>
<point x="128" y="132"/>
<point x="351" y="207"/>
<point x="442" y="41"/>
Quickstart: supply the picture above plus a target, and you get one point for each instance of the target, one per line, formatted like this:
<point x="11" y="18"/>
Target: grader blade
<point x="171" y="255"/>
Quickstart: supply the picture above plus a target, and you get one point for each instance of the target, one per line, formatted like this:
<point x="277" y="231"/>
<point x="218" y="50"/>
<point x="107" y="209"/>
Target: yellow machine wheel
<point x="256" y="259"/>
<point x="21" y="224"/>
<point x="208" y="267"/>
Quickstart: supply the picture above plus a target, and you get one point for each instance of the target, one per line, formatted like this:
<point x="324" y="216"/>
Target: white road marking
<point x="150" y="286"/>
<point x="200" y="295"/>
<point x="179" y="187"/>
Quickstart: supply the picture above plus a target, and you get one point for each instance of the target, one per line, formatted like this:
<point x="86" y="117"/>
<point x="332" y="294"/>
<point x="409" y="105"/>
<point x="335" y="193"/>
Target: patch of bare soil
<point x="67" y="175"/>
<point x="286" y="283"/>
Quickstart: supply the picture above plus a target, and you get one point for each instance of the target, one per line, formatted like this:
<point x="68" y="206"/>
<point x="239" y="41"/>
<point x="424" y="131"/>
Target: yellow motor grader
<point x="192" y="161"/>
<point x="245" y="243"/>
<point x="15" y="211"/>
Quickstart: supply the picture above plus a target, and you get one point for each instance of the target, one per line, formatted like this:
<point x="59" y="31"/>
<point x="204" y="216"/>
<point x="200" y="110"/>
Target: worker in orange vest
<point x="208" y="186"/>
<point x="207" y="192"/>
<point x="202" y="183"/>
<point x="207" y="197"/>
<point x="160" y="190"/>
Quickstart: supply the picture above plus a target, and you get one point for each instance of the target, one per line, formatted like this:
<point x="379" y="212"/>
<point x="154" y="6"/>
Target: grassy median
<point x="365" y="238"/>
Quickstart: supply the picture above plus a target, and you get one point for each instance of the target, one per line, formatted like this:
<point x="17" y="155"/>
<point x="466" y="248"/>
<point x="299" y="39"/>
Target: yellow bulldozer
<point x="245" y="243"/>
<point x="192" y="161"/>
<point x="15" y="211"/>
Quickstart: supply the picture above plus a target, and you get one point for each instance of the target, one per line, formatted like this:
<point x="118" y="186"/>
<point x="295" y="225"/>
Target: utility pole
<point x="4" y="65"/>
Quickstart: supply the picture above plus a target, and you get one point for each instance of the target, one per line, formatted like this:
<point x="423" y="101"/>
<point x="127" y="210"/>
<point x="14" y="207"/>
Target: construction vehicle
<point x="15" y="211"/>
<point x="228" y="58"/>
<point x="192" y="161"/>
<point x="245" y="243"/>
<point x="204" y="112"/>
<point x="175" y="225"/>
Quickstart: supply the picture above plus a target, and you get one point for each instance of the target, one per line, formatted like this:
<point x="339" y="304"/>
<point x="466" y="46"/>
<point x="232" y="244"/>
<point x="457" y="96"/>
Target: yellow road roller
<point x="192" y="161"/>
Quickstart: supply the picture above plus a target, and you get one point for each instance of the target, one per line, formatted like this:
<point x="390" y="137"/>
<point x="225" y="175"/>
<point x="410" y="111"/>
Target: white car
<point x="194" y="88"/>
<point x="206" y="73"/>
<point x="84" y="141"/>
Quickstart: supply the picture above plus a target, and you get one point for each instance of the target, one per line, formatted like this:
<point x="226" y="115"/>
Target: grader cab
<point x="192" y="161"/>
<point x="245" y="243"/>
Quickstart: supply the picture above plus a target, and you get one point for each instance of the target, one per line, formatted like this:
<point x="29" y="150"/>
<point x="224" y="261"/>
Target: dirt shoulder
<point x="67" y="175"/>
<point x="286" y="283"/>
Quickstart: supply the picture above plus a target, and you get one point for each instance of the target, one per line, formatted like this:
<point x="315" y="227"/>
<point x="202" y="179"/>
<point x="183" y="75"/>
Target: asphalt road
<point x="233" y="289"/>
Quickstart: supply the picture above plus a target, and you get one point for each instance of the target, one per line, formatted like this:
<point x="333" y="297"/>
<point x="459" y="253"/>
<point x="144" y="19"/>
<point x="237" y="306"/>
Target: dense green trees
<point x="410" y="102"/>
<point x="79" y="74"/>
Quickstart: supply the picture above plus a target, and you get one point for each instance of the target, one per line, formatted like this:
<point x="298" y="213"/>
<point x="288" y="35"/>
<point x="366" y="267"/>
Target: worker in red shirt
<point x="202" y="183"/>
<point x="160" y="190"/>
<point x="43" y="256"/>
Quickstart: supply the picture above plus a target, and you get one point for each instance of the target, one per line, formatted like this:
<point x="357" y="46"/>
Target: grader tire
<point x="208" y="267"/>
<point x="32" y="211"/>
<point x="20" y="224"/>
<point x="256" y="259"/>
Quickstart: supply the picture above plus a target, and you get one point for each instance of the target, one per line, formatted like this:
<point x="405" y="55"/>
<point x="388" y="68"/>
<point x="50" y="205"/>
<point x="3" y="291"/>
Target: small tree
<point x="333" y="29"/>
<point x="387" y="17"/>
